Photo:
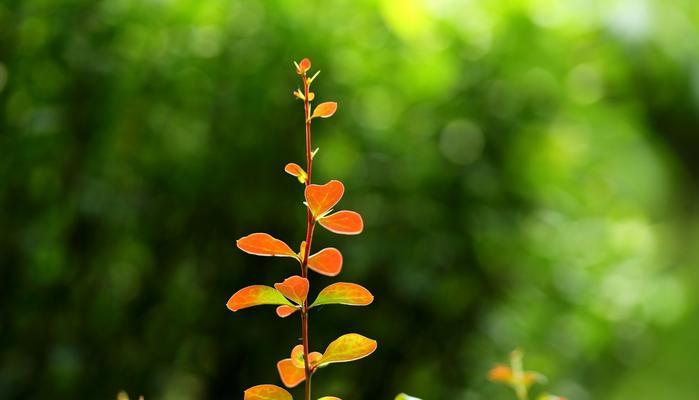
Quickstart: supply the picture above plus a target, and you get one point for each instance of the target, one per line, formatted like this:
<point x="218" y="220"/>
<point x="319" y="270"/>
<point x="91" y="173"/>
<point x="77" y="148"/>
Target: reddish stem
<point x="310" y="224"/>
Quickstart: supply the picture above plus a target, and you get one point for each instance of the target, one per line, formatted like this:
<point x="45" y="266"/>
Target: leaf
<point x="267" y="392"/>
<point x="500" y="373"/>
<point x="303" y="66"/>
<point x="321" y="198"/>
<point x="326" y="262"/>
<point x="296" y="170"/>
<point x="325" y="110"/>
<point x="263" y="244"/>
<point x="343" y="293"/>
<point x="290" y="375"/>
<point x="297" y="357"/>
<point x="343" y="222"/>
<point x="285" y="311"/>
<point x="404" y="396"/>
<point x="329" y="398"/>
<point x="294" y="288"/>
<point x="255" y="295"/>
<point x="349" y="347"/>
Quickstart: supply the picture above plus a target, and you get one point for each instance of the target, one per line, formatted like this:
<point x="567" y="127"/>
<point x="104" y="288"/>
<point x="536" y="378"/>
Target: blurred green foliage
<point x="527" y="171"/>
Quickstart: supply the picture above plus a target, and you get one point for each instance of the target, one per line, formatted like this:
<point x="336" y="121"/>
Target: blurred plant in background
<point x="518" y="379"/>
<point x="527" y="171"/>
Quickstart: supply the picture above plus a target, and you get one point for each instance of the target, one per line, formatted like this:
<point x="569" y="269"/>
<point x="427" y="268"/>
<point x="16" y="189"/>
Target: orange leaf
<point x="349" y="347"/>
<point x="290" y="374"/>
<point x="263" y="244"/>
<point x="294" y="288"/>
<point x="303" y="66"/>
<point x="343" y="222"/>
<point x="285" y="311"/>
<point x="297" y="171"/>
<point x="321" y="198"/>
<point x="329" y="398"/>
<point x="326" y="262"/>
<point x="267" y="392"/>
<point x="325" y="110"/>
<point x="500" y="373"/>
<point x="254" y="296"/>
<point x="349" y="294"/>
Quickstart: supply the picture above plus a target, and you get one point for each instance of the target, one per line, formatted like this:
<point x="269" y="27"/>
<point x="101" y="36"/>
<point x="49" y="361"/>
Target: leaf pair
<point x="349" y="347"/>
<point x="272" y="392"/>
<point x="320" y="200"/>
<point x="325" y="262"/>
<point x="295" y="289"/>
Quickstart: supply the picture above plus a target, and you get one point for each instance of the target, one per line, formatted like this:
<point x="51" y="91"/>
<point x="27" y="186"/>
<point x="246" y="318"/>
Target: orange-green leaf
<point x="285" y="311"/>
<point x="297" y="357"/>
<point x="321" y="198"/>
<point x="267" y="392"/>
<point x="290" y="375"/>
<point x="349" y="347"/>
<point x="255" y="295"/>
<point x="326" y="262"/>
<point x="296" y="170"/>
<point x="294" y="288"/>
<point x="263" y="244"/>
<point x="349" y="294"/>
<point x="343" y="222"/>
<point x="325" y="110"/>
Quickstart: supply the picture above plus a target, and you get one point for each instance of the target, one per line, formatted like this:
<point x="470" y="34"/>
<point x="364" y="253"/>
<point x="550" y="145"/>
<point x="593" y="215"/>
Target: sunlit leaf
<point x="311" y="95"/>
<point x="290" y="374"/>
<point x="254" y="296"/>
<point x="349" y="294"/>
<point x="299" y="95"/>
<point x="349" y="347"/>
<point x="297" y="357"/>
<point x="325" y="110"/>
<point x="343" y="222"/>
<point x="285" y="311"/>
<point x="295" y="288"/>
<point x="404" y="396"/>
<point x="329" y="398"/>
<point x="267" y="392"/>
<point x="296" y="170"/>
<point x="303" y="66"/>
<point x="263" y="244"/>
<point x="326" y="262"/>
<point x="321" y="198"/>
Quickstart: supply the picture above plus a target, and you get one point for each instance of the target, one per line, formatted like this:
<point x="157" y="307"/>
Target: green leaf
<point x="349" y="347"/>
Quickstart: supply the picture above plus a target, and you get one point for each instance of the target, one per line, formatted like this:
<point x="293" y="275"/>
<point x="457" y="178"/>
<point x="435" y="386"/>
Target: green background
<point x="527" y="172"/>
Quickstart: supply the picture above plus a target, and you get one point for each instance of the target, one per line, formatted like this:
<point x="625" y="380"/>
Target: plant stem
<point x="518" y="374"/>
<point x="310" y="224"/>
